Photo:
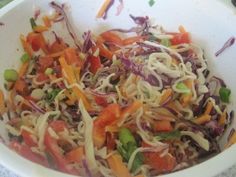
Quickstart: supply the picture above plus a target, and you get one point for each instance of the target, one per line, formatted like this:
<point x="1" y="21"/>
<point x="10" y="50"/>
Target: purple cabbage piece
<point x="214" y="129"/>
<point x="87" y="171"/>
<point x="87" y="42"/>
<point x="35" y="107"/>
<point x="142" y="26"/>
<point x="227" y="44"/>
<point x="138" y="70"/>
<point x="61" y="11"/>
<point x="139" y="20"/>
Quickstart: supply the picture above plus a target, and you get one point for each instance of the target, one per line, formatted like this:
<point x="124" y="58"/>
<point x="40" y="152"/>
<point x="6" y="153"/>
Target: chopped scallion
<point x="166" y="42"/>
<point x="224" y="94"/>
<point x="24" y="58"/>
<point x="33" y="23"/>
<point x="151" y="2"/>
<point x="48" y="71"/>
<point x="10" y="75"/>
<point x="183" y="88"/>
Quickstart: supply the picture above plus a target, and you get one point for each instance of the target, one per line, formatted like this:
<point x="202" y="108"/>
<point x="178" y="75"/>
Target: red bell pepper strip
<point x="53" y="148"/>
<point x="28" y="139"/>
<point x="95" y="63"/>
<point x="108" y="116"/>
<point x="26" y="152"/>
<point x="158" y="162"/>
<point x="180" y="38"/>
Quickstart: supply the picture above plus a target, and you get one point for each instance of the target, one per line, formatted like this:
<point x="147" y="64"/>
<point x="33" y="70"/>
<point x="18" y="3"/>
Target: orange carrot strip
<point x="117" y="166"/>
<point x="222" y="119"/>
<point x="208" y="107"/>
<point x="23" y="69"/>
<point x="70" y="77"/>
<point x="165" y="95"/>
<point x="182" y="29"/>
<point x="40" y="28"/>
<point x="2" y="103"/>
<point x="112" y="128"/>
<point x="55" y="55"/>
<point x="232" y="140"/>
<point x="103" y="8"/>
<point x="133" y="39"/>
<point x="12" y="95"/>
<point x="202" y="119"/>
<point x="130" y="109"/>
<point x="163" y="126"/>
<point x="46" y="21"/>
<point x="76" y="155"/>
<point x="112" y="37"/>
<point x="26" y="46"/>
<point x="105" y="52"/>
<point x="186" y="98"/>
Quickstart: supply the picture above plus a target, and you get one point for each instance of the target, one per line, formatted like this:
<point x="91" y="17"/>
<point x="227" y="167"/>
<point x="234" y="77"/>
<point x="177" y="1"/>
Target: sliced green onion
<point x="50" y="97"/>
<point x="151" y="3"/>
<point x="127" y="147"/>
<point x="33" y="23"/>
<point x="166" y="42"/>
<point x="183" y="88"/>
<point x="10" y="75"/>
<point x="224" y="94"/>
<point x="126" y="136"/>
<point x="24" y="58"/>
<point x="152" y="38"/>
<point x="48" y="71"/>
<point x="168" y="135"/>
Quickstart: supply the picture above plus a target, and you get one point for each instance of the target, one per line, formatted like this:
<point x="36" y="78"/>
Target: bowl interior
<point x="209" y="22"/>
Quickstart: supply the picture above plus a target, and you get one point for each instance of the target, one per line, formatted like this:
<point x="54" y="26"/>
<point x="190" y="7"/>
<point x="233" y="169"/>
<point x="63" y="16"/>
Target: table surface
<point x="231" y="172"/>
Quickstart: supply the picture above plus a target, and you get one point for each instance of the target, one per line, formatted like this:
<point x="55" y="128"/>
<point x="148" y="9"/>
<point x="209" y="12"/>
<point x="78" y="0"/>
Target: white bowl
<point x="210" y="22"/>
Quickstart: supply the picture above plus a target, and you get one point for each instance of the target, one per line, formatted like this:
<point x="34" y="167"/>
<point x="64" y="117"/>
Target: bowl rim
<point x="214" y="165"/>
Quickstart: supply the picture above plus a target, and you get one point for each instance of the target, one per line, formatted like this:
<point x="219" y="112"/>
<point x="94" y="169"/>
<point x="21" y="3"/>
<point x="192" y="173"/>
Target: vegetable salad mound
<point x="127" y="102"/>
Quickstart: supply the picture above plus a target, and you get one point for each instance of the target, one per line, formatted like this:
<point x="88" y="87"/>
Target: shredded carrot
<point x="182" y="29"/>
<point x="132" y="40"/>
<point x="105" y="52"/>
<point x="55" y="55"/>
<point x="208" y="107"/>
<point x="71" y="98"/>
<point x="71" y="78"/>
<point x="186" y="98"/>
<point x="130" y="109"/>
<point x="2" y="103"/>
<point x="222" y="120"/>
<point x="163" y="126"/>
<point x="47" y="21"/>
<point x="165" y="95"/>
<point x="23" y="69"/>
<point x="109" y="36"/>
<point x="117" y="166"/>
<point x="202" y="119"/>
<point x="12" y="95"/>
<point x="40" y="28"/>
<point x="175" y="61"/>
<point x="232" y="140"/>
<point x="76" y="155"/>
<point x="103" y="8"/>
<point x="173" y="106"/>
<point x="111" y="128"/>
<point x="26" y="46"/>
